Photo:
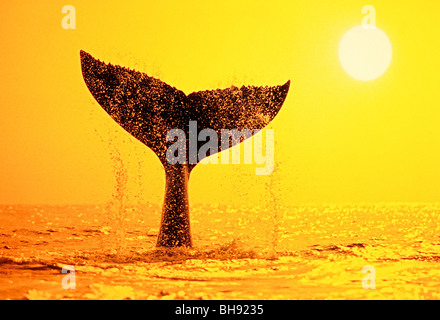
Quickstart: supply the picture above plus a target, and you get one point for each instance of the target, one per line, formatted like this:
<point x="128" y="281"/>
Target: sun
<point x="365" y="52"/>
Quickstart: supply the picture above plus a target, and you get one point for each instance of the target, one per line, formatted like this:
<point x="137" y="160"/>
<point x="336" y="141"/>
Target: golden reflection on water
<point x="311" y="252"/>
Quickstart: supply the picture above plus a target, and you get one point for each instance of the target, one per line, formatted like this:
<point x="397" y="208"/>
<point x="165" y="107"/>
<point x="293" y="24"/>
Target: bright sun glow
<point x="365" y="52"/>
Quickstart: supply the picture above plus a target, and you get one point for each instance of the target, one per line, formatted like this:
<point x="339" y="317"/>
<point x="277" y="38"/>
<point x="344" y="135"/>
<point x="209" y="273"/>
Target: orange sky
<point x="337" y="139"/>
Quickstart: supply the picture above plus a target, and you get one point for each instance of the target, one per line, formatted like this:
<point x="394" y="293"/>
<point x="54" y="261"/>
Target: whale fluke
<point x="148" y="108"/>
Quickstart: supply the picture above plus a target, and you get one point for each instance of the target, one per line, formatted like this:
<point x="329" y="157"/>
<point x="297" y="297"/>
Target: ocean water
<point x="299" y="252"/>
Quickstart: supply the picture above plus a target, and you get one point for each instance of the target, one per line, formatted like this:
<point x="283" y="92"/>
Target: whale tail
<point x="148" y="109"/>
